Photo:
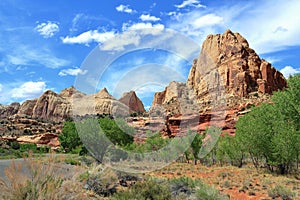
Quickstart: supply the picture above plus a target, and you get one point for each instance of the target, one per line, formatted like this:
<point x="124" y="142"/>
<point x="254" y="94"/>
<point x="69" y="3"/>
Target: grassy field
<point x="73" y="176"/>
<point x="238" y="183"/>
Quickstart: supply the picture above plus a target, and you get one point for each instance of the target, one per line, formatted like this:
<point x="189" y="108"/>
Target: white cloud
<point x="48" y="29"/>
<point x="274" y="32"/>
<point x="206" y="20"/>
<point x="288" y="71"/>
<point x="29" y="90"/>
<point x="124" y="8"/>
<point x="72" y="72"/>
<point x="132" y="34"/>
<point x="1" y="87"/>
<point x="25" y="55"/>
<point x="197" y="25"/>
<point x="88" y="37"/>
<point x="264" y="31"/>
<point x="119" y="42"/>
<point x="148" y="17"/>
<point x="140" y="26"/>
<point x="193" y="3"/>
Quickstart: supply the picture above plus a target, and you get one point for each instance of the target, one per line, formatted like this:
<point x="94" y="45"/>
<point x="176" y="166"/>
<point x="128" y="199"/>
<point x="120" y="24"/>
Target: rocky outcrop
<point x="103" y="94"/>
<point x="9" y="110"/>
<point x="71" y="92"/>
<point x="57" y="107"/>
<point x="134" y="104"/>
<point x="177" y="98"/>
<point x="27" y="107"/>
<point x="224" y="80"/>
<point x="47" y="139"/>
<point x="227" y="67"/>
<point x="100" y="103"/>
<point x="52" y="106"/>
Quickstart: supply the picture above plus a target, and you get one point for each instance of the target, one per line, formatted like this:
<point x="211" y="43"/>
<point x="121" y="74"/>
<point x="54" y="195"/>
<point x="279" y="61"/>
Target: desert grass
<point x="46" y="179"/>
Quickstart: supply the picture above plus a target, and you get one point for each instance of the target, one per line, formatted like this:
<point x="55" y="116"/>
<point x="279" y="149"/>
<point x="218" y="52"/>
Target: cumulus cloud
<point x="88" y="37"/>
<point x="48" y="29"/>
<point x="148" y="17"/>
<point x="132" y="34"/>
<point x="28" y="90"/>
<point x="288" y="71"/>
<point x="193" y="3"/>
<point x="72" y="72"/>
<point x="124" y="8"/>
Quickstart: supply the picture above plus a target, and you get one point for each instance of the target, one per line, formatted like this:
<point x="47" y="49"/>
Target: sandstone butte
<point x="224" y="82"/>
<point x="40" y="120"/>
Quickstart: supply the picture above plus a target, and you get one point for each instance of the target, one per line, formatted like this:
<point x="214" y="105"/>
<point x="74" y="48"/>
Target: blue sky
<point x="45" y="44"/>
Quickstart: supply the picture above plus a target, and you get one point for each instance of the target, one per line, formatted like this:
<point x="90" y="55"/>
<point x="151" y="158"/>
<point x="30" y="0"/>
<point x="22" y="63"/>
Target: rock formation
<point x="9" y="110"/>
<point x="134" y="104"/>
<point x="177" y="98"/>
<point x="228" y="67"/>
<point x="57" y="107"/>
<point x="27" y="107"/>
<point x="71" y="92"/>
<point x="51" y="106"/>
<point x="224" y="82"/>
<point x="227" y="77"/>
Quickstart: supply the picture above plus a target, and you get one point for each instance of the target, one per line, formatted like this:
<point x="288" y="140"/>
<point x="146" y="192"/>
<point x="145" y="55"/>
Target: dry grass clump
<point x="35" y="179"/>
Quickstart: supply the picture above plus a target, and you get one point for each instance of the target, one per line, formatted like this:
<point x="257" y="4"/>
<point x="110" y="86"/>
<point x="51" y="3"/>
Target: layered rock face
<point x="177" y="98"/>
<point x="51" y="106"/>
<point x="41" y="120"/>
<point x="134" y="104"/>
<point x="70" y="101"/>
<point x="227" y="70"/>
<point x="228" y="67"/>
<point x="226" y="78"/>
<point x="9" y="110"/>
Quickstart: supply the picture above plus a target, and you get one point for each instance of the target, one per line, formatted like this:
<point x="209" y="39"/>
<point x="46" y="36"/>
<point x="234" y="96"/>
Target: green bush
<point x="150" y="189"/>
<point x="97" y="134"/>
<point x="72" y="161"/>
<point x="117" y="131"/>
<point x="28" y="147"/>
<point x="281" y="191"/>
<point x="194" y="189"/>
<point x="69" y="138"/>
<point x="15" y="145"/>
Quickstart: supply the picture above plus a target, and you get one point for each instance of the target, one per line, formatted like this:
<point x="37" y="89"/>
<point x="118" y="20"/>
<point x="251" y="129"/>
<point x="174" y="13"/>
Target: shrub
<point x="15" y="145"/>
<point x="103" y="183"/>
<point x="194" y="189"/>
<point x="281" y="191"/>
<point x="28" y="147"/>
<point x="150" y="189"/>
<point x="42" y="180"/>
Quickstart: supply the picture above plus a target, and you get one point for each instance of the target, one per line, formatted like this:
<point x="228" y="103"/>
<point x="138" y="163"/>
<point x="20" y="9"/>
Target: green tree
<point x="196" y="146"/>
<point x="271" y="132"/>
<point x="230" y="150"/>
<point x="117" y="131"/>
<point x="69" y="138"/>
